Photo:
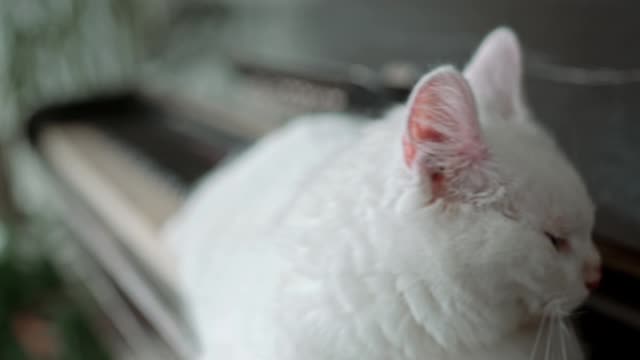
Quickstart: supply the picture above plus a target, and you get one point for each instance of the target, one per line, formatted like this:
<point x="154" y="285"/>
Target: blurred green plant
<point x="39" y="319"/>
<point x="56" y="50"/>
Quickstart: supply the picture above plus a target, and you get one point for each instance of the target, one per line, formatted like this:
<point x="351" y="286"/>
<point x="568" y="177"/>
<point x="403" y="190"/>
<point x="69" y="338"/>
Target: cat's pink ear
<point x="495" y="73"/>
<point x="443" y="140"/>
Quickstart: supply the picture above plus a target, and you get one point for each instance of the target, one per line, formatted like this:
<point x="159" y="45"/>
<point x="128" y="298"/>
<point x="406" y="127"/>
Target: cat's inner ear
<point x="443" y="141"/>
<point x="495" y="73"/>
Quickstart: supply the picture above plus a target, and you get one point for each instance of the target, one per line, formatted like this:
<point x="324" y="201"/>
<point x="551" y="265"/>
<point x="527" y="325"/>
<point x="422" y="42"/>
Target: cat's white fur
<point x="321" y="243"/>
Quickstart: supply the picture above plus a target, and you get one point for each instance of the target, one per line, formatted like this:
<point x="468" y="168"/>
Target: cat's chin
<point x="555" y="307"/>
<point x="567" y="305"/>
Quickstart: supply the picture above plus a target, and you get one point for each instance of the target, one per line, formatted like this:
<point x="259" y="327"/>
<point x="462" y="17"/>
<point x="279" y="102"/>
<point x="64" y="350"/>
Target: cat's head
<point x="517" y="214"/>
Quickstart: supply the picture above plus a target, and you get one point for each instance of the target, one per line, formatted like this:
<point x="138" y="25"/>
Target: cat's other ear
<point x="443" y="142"/>
<point x="495" y="73"/>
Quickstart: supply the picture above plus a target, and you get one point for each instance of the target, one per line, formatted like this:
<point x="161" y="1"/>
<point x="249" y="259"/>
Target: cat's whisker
<point x="549" y="338"/>
<point x="554" y="330"/>
<point x="564" y="335"/>
<point x="557" y="337"/>
<point x="553" y="335"/>
<point x="563" y="346"/>
<point x="565" y="329"/>
<point x="553" y="306"/>
<point x="538" y="336"/>
<point x="556" y="308"/>
<point x="572" y="344"/>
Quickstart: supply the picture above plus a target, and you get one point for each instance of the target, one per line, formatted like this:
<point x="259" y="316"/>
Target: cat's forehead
<point x="542" y="180"/>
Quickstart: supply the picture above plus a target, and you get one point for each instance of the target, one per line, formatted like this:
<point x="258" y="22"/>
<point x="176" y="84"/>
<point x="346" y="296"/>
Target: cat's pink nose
<point x="592" y="276"/>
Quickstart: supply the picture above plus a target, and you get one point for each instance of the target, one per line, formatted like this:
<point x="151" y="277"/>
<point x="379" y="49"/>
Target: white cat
<point x="448" y="230"/>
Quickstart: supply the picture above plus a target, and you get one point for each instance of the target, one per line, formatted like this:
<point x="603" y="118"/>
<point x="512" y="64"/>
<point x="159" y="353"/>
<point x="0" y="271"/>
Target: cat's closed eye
<point x="560" y="244"/>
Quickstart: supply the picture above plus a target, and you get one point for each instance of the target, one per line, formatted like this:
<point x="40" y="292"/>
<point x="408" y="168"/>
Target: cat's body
<point x="335" y="239"/>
